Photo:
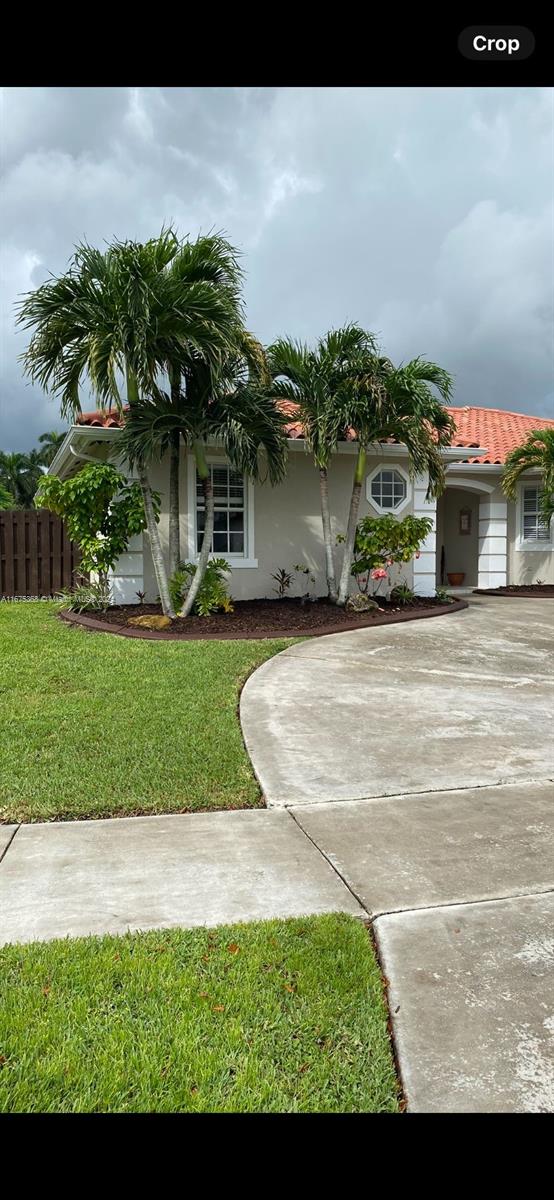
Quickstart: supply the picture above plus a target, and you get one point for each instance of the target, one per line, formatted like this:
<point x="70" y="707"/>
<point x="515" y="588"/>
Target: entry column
<point x="493" y="543"/>
<point x="425" y="567"/>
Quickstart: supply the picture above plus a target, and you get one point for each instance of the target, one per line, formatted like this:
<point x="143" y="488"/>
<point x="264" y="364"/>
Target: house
<point x="477" y="532"/>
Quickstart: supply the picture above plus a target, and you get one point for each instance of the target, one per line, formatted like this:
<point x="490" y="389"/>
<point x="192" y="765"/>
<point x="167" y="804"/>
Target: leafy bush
<point x="402" y="594"/>
<point x="87" y="596"/>
<point x="383" y="541"/>
<point x="101" y="510"/>
<point x="213" y="594"/>
<point x="444" y="596"/>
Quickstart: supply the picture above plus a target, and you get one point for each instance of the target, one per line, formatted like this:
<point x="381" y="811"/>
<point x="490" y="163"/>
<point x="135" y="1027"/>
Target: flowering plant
<point x="383" y="541"/>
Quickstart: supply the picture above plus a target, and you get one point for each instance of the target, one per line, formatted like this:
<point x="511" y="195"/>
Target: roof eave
<point x="69" y="447"/>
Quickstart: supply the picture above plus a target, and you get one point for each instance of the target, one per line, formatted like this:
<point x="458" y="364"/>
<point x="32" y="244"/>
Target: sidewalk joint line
<point x="6" y="848"/>
<point x="333" y="866"/>
<point x="407" y="795"/>
<point x="404" y="912"/>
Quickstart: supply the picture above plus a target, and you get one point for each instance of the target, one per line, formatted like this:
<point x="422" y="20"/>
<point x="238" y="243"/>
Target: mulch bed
<point x="260" y="619"/>
<point x="520" y="589"/>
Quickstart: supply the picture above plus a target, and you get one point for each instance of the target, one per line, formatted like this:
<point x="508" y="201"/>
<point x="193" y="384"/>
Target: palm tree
<point x="229" y="402"/>
<point x="380" y="403"/>
<point x="119" y="317"/>
<point x="209" y="260"/>
<point x="51" y="442"/>
<point x="6" y="498"/>
<point x="19" y="475"/>
<point x="311" y="380"/>
<point x="536" y="452"/>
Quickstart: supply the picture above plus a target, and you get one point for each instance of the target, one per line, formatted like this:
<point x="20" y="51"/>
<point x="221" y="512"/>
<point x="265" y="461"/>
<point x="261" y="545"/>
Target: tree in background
<point x="50" y="443"/>
<point x="20" y="475"/>
<point x="6" y="498"/>
<point x="536" y="453"/>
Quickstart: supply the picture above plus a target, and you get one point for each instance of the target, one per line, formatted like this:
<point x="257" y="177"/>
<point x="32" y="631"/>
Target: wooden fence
<point x="36" y="555"/>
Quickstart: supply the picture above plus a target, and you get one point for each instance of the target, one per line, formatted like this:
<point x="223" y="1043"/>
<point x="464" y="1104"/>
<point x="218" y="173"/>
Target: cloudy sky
<point x="423" y="214"/>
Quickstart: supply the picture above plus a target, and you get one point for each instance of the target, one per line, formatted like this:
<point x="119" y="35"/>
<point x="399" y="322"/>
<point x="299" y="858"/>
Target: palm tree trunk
<point x="351" y="528"/>
<point x="155" y="545"/>
<point x="204" y="473"/>
<point x="174" y="531"/>
<point x="151" y="523"/>
<point x="327" y="535"/>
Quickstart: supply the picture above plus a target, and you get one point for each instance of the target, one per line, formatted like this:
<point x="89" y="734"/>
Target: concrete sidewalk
<point x="79" y="877"/>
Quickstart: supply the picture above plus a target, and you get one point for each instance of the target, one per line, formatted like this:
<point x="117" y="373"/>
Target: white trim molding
<point x="373" y="474"/>
<point x="425" y="567"/>
<point x="493" y="544"/>
<point x="236" y="561"/>
<point x="531" y="545"/>
<point x="468" y="485"/>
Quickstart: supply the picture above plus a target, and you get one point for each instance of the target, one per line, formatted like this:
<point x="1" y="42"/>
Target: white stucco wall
<point x="527" y="566"/>
<point x="287" y="522"/>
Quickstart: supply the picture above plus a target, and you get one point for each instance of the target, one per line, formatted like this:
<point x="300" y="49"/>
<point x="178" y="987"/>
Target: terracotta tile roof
<point x="498" y="430"/>
<point x="104" y="420"/>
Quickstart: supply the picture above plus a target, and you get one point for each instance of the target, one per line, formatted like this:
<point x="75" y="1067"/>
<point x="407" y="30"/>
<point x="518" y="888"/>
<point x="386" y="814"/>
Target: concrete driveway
<point x="454" y="702"/>
<point x="418" y="758"/>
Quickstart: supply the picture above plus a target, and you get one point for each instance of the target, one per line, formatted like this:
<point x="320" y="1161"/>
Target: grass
<point x="276" y="1016"/>
<point x="93" y="725"/>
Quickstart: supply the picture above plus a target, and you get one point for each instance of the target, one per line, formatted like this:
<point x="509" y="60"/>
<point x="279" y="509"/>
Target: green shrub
<point x="87" y="596"/>
<point x="101" y="511"/>
<point x="283" y="579"/>
<point x="383" y="541"/>
<point x="402" y="594"/>
<point x="213" y="594"/>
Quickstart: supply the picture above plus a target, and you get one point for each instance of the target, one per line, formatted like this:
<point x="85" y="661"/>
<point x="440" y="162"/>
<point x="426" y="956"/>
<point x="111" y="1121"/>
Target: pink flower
<point x="417" y="553"/>
<point x="379" y="573"/>
<point x="390" y="562"/>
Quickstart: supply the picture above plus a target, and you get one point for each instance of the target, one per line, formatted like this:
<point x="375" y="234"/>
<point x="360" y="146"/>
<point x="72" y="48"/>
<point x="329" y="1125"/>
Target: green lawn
<point x="93" y="725"/>
<point x="276" y="1016"/>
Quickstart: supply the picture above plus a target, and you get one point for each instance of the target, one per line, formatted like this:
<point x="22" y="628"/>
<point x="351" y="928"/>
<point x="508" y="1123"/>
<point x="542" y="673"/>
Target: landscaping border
<point x="95" y="626"/>
<point x="508" y="594"/>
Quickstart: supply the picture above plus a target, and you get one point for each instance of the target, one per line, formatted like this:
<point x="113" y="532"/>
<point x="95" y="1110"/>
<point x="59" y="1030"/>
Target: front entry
<point x="458" y="538"/>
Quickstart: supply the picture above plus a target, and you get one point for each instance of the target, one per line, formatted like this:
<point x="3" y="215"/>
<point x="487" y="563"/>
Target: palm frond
<point x="536" y="452"/>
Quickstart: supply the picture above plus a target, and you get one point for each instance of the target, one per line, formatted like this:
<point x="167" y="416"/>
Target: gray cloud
<point x="425" y="214"/>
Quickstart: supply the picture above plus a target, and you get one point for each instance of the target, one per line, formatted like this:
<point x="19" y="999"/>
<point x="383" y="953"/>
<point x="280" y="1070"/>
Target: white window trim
<point x="236" y="561"/>
<point x="376" y="471"/>
<point x="530" y="545"/>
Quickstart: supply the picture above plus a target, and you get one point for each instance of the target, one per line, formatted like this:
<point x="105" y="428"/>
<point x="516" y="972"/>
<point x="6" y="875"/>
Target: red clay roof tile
<point x="494" y="428"/>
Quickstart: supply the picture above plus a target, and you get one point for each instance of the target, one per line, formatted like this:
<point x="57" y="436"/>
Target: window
<point x="388" y="489"/>
<point x="533" y="529"/>
<point x="230" y="511"/>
